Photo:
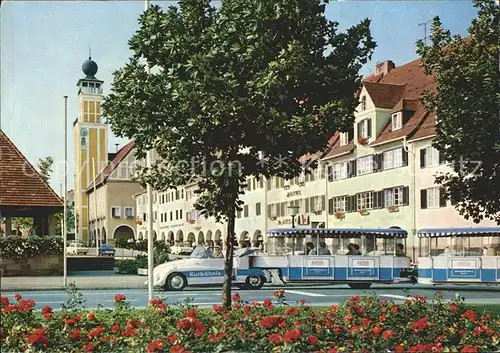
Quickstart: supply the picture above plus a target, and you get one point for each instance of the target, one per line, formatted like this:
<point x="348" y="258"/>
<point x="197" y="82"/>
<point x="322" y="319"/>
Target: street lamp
<point x="293" y="210"/>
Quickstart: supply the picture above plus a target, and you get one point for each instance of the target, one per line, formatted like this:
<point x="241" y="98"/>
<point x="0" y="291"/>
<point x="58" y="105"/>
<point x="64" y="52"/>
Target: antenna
<point x="90" y="51"/>
<point x="425" y="30"/>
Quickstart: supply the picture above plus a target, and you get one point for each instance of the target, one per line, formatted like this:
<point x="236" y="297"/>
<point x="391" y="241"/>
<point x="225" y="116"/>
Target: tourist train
<point x="358" y="257"/>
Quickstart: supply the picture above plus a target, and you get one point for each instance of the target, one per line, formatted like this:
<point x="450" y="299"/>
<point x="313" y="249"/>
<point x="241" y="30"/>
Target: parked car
<point x="106" y="249"/>
<point x="76" y="248"/>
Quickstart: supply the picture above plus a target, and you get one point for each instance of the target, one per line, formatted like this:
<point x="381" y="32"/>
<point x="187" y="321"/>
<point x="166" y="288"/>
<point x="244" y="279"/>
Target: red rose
<point x="382" y="318"/>
<point x="332" y="350"/>
<point x="4" y="301"/>
<point x="313" y="340"/>
<point x="46" y="309"/>
<point x="236" y="298"/>
<point x="89" y="347"/>
<point x="155" y="346"/>
<point x="275" y="338"/>
<point x="399" y="348"/>
<point x="292" y="335"/>
<point x="420" y="324"/>
<point x="115" y="328"/>
<point x="470" y="349"/>
<point x="470" y="315"/>
<point x="75" y="335"/>
<point x="18" y="297"/>
<point x="454" y="307"/>
<point x="48" y="316"/>
<point x="192" y="313"/>
<point x="199" y="328"/>
<point x="120" y="298"/>
<point x="387" y="334"/>
<point x="90" y="316"/>
<point x="218" y="308"/>
<point x="377" y="330"/>
<point x="173" y="338"/>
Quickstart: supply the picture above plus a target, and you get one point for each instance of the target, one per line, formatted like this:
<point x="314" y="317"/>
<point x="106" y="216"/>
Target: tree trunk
<point x="228" y="264"/>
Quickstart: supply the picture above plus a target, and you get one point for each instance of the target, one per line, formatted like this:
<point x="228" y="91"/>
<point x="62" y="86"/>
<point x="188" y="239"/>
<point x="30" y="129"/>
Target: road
<point x="314" y="296"/>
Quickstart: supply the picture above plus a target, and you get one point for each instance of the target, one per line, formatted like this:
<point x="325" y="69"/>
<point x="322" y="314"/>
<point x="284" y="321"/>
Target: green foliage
<point x="243" y="89"/>
<point x="22" y="223"/>
<point x="75" y="299"/>
<point x="45" y="168"/>
<point x="127" y="266"/>
<point x="15" y="247"/>
<point x="466" y="104"/>
<point x="70" y="218"/>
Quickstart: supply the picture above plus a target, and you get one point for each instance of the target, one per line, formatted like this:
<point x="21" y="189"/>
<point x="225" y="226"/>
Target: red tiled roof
<point x="415" y="82"/>
<point x="335" y="149"/>
<point x="112" y="165"/>
<point x="20" y="182"/>
<point x="427" y="129"/>
<point x="384" y="95"/>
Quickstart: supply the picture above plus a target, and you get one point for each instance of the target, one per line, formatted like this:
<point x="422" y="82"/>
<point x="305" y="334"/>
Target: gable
<point x="20" y="182"/>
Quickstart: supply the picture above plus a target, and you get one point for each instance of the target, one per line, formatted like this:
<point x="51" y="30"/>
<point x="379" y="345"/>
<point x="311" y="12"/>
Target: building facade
<point x="378" y="174"/>
<point x="103" y="193"/>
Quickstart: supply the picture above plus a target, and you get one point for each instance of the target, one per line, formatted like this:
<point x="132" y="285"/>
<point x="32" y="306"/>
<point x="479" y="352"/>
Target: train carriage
<point x="459" y="256"/>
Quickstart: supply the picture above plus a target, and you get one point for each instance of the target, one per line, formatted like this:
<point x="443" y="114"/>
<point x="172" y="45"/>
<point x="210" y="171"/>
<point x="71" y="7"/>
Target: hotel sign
<point x="294" y="193"/>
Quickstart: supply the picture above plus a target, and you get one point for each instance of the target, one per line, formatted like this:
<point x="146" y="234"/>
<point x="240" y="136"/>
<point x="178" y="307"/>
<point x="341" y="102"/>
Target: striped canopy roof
<point x="458" y="232"/>
<point x="336" y="232"/>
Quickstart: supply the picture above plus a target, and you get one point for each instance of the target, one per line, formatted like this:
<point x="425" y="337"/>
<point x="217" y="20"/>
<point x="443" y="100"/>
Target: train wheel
<point x="359" y="285"/>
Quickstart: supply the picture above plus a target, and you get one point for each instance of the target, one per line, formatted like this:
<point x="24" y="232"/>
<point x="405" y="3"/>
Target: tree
<point x="45" y="168"/>
<point x="241" y="90"/>
<point x="70" y="218"/>
<point x="467" y="108"/>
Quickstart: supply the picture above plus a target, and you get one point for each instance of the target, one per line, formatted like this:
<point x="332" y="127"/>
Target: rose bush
<point x="361" y="324"/>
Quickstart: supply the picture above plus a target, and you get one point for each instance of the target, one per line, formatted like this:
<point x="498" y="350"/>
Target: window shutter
<point x="405" y="157"/>
<point x="269" y="184"/>
<point x="375" y="159"/>
<point x="441" y="157"/>
<point x="406" y="195"/>
<point x="423" y="198"/>
<point x="352" y="169"/>
<point x="442" y="197"/>
<point x="422" y="158"/>
<point x="330" y="173"/>
<point x="330" y="206"/>
<point x="350" y="205"/>
<point x="311" y="204"/>
<point x="369" y="128"/>
<point x="359" y="129"/>
<point x="269" y="211"/>
<point x="380" y="203"/>
<point x="380" y="162"/>
<point x="376" y="199"/>
<point x="323" y="202"/>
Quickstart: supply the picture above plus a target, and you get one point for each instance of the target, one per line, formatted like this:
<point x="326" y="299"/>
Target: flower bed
<point x="15" y="247"/>
<point x="361" y="324"/>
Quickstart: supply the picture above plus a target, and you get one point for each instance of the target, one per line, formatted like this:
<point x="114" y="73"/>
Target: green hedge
<point x="16" y="247"/>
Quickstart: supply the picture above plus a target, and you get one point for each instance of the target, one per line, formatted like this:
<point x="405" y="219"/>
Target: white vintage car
<point x="206" y="266"/>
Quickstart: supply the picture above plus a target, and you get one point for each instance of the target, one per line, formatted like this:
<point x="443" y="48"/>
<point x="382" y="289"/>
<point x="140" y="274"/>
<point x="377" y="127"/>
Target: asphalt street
<point x="314" y="296"/>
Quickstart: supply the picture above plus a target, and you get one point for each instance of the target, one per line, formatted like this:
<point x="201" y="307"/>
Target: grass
<point x="489" y="308"/>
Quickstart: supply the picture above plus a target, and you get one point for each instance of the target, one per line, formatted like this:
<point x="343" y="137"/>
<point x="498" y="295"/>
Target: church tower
<point x="90" y="141"/>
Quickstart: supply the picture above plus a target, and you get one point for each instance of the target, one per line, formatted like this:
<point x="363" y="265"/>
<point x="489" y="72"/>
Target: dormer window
<point x="344" y="138"/>
<point x="365" y="128"/>
<point x="363" y="103"/>
<point x="397" y="121"/>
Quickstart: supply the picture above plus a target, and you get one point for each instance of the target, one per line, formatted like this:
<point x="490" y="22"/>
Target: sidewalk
<point x="89" y="280"/>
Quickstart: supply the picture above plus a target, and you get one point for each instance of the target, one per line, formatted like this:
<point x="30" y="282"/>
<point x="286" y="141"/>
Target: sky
<point x="43" y="45"/>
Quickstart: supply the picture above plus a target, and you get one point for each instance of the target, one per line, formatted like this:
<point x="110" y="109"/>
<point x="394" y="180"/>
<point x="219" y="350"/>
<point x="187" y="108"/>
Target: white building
<point x="380" y="173"/>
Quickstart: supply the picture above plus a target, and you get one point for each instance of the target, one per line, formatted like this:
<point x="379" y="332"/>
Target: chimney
<point x="384" y="67"/>
<point x="116" y="147"/>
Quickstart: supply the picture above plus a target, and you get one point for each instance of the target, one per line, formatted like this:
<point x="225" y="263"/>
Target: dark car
<point x="106" y="249"/>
